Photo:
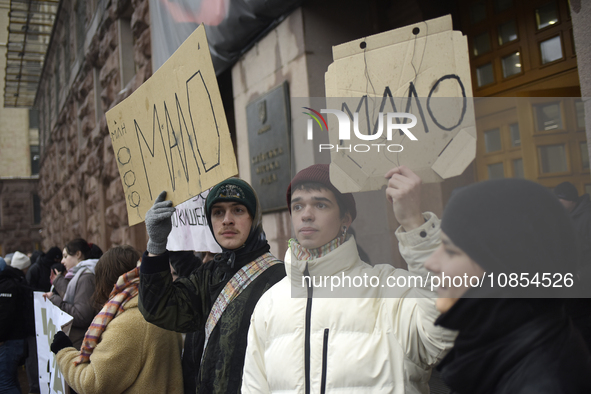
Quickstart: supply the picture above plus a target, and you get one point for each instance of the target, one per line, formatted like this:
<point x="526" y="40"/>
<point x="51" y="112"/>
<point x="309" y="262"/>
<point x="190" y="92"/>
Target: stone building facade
<point x="88" y="70"/>
<point x="100" y="53"/>
<point x="19" y="202"/>
<point x="20" y="220"/>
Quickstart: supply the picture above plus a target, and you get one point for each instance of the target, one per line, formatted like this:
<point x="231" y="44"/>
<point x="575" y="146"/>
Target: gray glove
<point x="159" y="224"/>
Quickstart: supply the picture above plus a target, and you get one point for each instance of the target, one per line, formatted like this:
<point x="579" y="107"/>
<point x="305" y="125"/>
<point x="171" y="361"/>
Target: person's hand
<point x="404" y="192"/>
<point x="159" y="224"/>
<point x="54" y="274"/>
<point x="47" y="295"/>
<point x="60" y="341"/>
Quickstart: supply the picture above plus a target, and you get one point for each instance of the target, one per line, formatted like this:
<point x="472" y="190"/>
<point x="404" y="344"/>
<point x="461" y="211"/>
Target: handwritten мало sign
<point x="420" y="70"/>
<point x="171" y="133"/>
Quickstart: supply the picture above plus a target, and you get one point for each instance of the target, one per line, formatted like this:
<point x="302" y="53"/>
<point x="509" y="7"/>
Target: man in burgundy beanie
<point x="304" y="337"/>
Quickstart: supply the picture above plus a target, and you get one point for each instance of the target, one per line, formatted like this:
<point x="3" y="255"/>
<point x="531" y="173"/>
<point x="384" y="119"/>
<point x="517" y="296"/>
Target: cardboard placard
<point x="171" y="133"/>
<point x="421" y="69"/>
<point x="49" y="319"/>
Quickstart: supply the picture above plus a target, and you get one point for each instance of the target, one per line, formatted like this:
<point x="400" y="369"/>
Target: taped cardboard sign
<point x="171" y="133"/>
<point x="421" y="69"/>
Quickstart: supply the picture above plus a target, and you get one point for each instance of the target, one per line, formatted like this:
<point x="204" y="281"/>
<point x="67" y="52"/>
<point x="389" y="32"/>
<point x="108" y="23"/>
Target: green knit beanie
<point x="232" y="190"/>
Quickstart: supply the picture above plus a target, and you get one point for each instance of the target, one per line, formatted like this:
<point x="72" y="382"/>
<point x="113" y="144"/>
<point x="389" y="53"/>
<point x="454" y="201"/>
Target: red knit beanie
<point x="319" y="173"/>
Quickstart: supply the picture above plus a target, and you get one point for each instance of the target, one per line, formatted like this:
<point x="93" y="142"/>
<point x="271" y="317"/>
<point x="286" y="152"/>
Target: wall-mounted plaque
<point x="269" y="121"/>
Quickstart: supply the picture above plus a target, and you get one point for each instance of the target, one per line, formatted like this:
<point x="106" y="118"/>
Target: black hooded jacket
<point x="39" y="273"/>
<point x="16" y="305"/>
<point x="514" y="346"/>
<point x="184" y="306"/>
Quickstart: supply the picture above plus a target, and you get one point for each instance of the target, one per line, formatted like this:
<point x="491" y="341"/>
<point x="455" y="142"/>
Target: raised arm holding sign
<point x="217" y="298"/>
<point x="334" y="315"/>
<point x="172" y="142"/>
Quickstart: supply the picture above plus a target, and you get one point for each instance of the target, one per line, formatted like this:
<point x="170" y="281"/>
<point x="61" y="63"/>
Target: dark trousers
<point x="32" y="365"/>
<point x="11" y="353"/>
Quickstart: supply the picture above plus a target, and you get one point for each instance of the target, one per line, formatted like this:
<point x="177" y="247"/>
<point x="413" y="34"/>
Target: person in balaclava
<point x="514" y="335"/>
<point x="218" y="298"/>
<point x="39" y="273"/>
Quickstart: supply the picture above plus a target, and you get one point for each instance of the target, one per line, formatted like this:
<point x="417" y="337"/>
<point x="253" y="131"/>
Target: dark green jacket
<point x="184" y="306"/>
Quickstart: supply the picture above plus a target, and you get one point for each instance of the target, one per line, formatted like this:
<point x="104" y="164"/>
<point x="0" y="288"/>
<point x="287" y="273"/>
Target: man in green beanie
<point x="218" y="298"/>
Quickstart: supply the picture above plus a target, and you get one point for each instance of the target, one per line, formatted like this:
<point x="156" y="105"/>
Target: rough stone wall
<point x="80" y="189"/>
<point x="17" y="231"/>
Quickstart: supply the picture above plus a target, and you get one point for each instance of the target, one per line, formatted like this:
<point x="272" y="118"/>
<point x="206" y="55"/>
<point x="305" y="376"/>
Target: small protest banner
<point x="189" y="227"/>
<point x="49" y="319"/>
<point x="401" y="98"/>
<point x="171" y="133"/>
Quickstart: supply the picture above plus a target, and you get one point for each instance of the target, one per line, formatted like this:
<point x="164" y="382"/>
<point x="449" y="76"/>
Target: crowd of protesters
<point x="188" y="322"/>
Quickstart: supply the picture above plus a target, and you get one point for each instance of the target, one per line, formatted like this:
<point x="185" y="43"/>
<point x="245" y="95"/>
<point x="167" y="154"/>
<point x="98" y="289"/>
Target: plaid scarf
<point x="303" y="254"/>
<point x="241" y="279"/>
<point x="125" y="289"/>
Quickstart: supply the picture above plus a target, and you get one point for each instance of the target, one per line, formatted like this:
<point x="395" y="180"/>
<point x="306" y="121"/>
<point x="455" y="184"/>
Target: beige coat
<point x="133" y="356"/>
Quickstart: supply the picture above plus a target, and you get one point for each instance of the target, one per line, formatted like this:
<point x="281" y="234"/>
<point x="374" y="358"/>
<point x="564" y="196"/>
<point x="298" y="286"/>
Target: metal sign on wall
<point x="268" y="120"/>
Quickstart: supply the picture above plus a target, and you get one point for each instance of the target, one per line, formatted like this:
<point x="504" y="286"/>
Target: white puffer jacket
<point x="384" y="342"/>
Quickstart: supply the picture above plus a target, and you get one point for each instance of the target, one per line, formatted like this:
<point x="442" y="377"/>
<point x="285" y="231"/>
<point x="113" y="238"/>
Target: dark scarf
<point x="256" y="244"/>
<point x="494" y="337"/>
<point x="505" y="226"/>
